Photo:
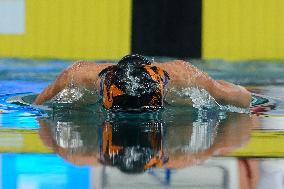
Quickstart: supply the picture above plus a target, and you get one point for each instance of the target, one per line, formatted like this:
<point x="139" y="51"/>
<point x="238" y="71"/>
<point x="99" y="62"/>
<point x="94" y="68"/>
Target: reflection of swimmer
<point x="136" y="144"/>
<point x="133" y="148"/>
<point x="136" y="83"/>
<point x="77" y="144"/>
<point x="232" y="133"/>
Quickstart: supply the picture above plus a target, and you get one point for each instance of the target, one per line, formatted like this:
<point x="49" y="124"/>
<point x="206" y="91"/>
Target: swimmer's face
<point x="133" y="84"/>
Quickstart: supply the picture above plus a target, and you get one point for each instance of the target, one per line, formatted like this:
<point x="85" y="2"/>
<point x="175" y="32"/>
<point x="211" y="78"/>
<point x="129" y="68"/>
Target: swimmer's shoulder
<point x="83" y="64"/>
<point x="85" y="72"/>
<point x="171" y="62"/>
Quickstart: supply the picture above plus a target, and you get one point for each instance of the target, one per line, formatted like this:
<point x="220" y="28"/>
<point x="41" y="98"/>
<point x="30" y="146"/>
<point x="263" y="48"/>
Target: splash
<point x="231" y="108"/>
<point x="201" y="100"/>
<point x="135" y="81"/>
<point x="74" y="94"/>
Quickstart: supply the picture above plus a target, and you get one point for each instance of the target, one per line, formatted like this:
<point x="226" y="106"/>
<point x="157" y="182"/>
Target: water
<point x="180" y="147"/>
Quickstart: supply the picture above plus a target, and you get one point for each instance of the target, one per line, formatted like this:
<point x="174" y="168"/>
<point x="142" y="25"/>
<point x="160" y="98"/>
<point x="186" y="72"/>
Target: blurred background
<point x="99" y="29"/>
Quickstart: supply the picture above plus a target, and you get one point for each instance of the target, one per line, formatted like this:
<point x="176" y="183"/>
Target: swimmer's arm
<point x="184" y="75"/>
<point x="54" y="88"/>
<point x="83" y="74"/>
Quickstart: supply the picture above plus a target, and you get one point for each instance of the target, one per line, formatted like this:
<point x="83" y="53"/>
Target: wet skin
<point x="183" y="75"/>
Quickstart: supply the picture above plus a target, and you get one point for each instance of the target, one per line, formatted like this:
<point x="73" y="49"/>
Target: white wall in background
<point x="12" y="16"/>
<point x="211" y="174"/>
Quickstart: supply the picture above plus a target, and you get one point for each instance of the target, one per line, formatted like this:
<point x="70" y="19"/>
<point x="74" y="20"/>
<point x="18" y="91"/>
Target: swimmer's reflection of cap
<point x="133" y="147"/>
<point x="133" y="84"/>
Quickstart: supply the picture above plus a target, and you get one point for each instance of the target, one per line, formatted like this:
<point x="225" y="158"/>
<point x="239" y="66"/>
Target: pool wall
<point x="95" y="29"/>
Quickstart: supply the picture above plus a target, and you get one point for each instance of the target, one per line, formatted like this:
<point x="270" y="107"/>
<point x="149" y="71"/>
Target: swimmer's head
<point x="133" y="84"/>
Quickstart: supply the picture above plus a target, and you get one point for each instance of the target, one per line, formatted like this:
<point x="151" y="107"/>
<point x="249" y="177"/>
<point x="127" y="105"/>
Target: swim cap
<point x="133" y="84"/>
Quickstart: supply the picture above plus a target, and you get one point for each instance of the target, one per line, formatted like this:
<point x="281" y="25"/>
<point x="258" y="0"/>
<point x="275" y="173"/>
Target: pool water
<point x="179" y="147"/>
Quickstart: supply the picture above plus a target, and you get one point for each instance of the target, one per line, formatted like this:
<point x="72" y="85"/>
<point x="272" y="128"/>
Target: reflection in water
<point x="136" y="142"/>
<point x="132" y="147"/>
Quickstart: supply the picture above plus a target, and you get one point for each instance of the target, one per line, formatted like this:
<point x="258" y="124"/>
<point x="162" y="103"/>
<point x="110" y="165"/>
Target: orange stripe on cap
<point x="153" y="74"/>
<point x="156" y="77"/>
<point x="108" y="96"/>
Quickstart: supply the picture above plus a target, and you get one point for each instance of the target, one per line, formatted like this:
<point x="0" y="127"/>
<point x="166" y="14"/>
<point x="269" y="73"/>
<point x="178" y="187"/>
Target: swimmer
<point x="136" y="82"/>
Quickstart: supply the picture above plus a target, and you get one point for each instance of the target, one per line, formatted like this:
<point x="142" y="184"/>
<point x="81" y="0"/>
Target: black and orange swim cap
<point x="133" y="84"/>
